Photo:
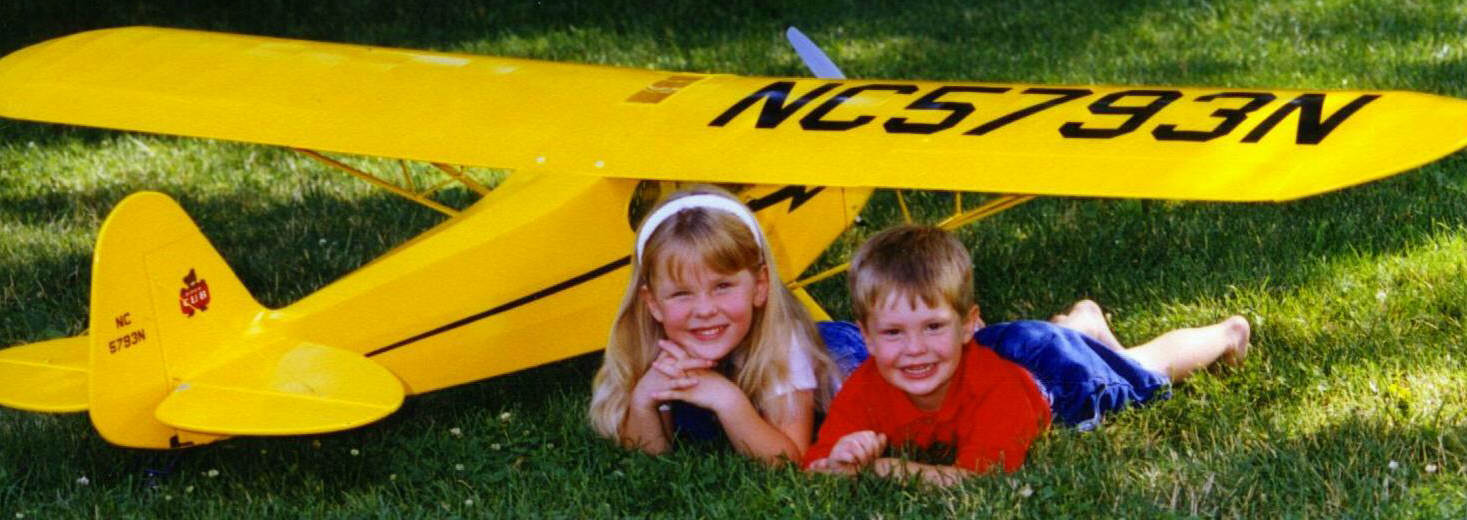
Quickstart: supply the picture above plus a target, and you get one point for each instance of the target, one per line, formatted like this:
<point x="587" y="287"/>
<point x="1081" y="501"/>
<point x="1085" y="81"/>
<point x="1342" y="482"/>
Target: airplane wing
<point x="1222" y="143"/>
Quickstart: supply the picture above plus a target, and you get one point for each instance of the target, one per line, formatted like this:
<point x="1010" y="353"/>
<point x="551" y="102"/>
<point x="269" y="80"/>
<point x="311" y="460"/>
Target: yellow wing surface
<point x="1163" y="142"/>
<point x="48" y="376"/>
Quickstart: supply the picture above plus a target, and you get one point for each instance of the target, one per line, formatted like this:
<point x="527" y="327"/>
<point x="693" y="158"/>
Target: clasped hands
<point x="677" y="375"/>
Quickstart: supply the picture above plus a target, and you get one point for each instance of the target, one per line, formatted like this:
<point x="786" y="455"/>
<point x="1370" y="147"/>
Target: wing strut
<point x="420" y="198"/>
<point x="462" y="178"/>
<point x="958" y="219"/>
<point x="410" y="191"/>
<point x="902" y="203"/>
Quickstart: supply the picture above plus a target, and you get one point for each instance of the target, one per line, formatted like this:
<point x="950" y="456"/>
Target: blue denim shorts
<point x="844" y="343"/>
<point x="1082" y="377"/>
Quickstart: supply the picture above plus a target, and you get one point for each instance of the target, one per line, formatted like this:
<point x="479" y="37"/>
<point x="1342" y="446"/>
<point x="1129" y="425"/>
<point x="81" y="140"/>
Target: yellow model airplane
<point x="179" y="353"/>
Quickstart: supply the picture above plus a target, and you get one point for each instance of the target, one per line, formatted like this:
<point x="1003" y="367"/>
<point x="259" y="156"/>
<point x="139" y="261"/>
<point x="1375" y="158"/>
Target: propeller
<point x="814" y="58"/>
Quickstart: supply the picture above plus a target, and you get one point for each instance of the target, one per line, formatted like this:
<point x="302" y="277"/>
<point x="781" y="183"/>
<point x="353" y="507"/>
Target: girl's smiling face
<point x="707" y="312"/>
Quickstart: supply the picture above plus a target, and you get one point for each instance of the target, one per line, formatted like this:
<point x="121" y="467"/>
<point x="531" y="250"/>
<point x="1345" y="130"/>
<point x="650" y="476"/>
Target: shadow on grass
<point x="46" y="298"/>
<point x="281" y="250"/>
<point x="1447" y="73"/>
<point x="27" y="133"/>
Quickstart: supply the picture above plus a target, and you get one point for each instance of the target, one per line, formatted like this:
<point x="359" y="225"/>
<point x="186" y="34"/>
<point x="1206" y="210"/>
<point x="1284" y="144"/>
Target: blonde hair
<point x="919" y="262"/>
<point x="724" y="243"/>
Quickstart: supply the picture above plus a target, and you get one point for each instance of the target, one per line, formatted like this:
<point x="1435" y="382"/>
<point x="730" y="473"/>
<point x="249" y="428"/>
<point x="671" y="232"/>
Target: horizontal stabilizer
<point x="50" y="376"/>
<point x="290" y="389"/>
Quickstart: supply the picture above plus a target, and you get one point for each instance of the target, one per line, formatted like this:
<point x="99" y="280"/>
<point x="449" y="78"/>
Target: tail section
<point x="163" y="301"/>
<point x="180" y="348"/>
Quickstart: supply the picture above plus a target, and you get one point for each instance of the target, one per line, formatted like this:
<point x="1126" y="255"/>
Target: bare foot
<point x="1087" y="317"/>
<point x="1239" y="331"/>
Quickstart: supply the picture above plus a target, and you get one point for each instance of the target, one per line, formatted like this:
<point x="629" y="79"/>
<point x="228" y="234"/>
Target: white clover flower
<point x="494" y="446"/>
<point x="20" y="515"/>
<point x="1393" y="465"/>
<point x="1380" y="296"/>
<point x="1026" y="491"/>
<point x="458" y="467"/>
<point x="189" y="489"/>
<point x="212" y="473"/>
<point x="469" y="502"/>
<point x="355" y="452"/>
<point x="321" y="242"/>
<point x="83" y="481"/>
<point x="550" y="446"/>
<point x="456" y="432"/>
<point x="392" y="477"/>
<point x="1431" y="468"/>
<point x="504" y="416"/>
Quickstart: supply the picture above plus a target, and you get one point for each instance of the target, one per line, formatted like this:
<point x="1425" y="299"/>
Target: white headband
<point x="696" y="201"/>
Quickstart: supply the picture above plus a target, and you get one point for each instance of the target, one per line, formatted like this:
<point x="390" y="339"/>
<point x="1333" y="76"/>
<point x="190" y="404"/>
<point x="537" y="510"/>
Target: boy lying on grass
<point x="938" y="401"/>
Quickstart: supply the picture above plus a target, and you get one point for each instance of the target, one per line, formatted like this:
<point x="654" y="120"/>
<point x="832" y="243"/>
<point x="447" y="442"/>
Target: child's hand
<point x="830" y="467"/>
<point x="703" y="388"/>
<point x="858" y="449"/>
<point x="669" y="370"/>
<point x="674" y="362"/>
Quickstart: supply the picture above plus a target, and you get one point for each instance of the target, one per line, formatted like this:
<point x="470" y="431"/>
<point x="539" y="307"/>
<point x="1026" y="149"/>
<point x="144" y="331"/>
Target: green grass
<point x="1358" y="297"/>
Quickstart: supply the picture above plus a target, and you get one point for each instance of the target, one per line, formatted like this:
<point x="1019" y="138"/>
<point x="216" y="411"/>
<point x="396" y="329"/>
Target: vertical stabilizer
<point x="163" y="303"/>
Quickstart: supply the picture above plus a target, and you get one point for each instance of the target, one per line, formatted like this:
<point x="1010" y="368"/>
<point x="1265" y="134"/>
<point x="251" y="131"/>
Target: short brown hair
<point x="918" y="261"/>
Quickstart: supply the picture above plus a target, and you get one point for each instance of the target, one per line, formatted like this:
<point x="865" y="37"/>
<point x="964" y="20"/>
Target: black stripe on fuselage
<point x="797" y="195"/>
<point x="577" y="280"/>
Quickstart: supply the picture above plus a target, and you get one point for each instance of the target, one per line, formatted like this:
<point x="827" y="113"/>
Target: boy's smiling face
<point x="916" y="347"/>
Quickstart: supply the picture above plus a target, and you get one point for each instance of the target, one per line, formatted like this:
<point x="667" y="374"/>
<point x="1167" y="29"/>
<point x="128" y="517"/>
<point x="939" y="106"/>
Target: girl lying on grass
<point x="708" y="336"/>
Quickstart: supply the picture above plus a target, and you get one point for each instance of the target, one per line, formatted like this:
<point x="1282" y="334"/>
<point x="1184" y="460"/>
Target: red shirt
<point x="992" y="411"/>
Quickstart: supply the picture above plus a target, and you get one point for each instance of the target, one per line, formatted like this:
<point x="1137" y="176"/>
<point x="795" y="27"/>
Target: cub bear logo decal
<point x="194" y="295"/>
